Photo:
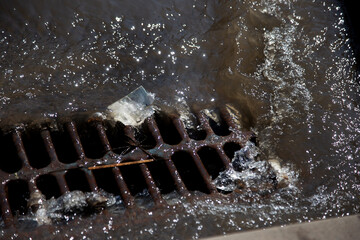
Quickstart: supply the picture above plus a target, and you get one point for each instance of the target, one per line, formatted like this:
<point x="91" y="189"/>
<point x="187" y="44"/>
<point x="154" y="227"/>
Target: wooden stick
<point x="120" y="164"/>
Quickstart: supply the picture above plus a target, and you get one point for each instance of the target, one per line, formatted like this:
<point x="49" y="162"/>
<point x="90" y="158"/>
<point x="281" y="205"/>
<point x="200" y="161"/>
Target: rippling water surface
<point x="286" y="65"/>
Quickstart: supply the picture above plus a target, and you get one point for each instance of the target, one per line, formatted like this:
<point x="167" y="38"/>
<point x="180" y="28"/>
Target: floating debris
<point x="45" y="212"/>
<point x="245" y="172"/>
<point x="134" y="108"/>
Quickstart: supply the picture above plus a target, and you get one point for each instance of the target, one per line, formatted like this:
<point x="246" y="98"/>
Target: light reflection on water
<point x="83" y="53"/>
<point x="286" y="65"/>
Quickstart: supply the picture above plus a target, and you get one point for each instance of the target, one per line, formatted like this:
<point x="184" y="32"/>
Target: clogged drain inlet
<point x="75" y="173"/>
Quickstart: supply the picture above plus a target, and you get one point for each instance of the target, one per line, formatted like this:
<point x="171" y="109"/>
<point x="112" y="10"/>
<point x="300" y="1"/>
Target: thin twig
<point x="120" y="164"/>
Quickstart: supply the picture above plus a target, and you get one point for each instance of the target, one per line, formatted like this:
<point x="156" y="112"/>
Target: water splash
<point x="253" y="175"/>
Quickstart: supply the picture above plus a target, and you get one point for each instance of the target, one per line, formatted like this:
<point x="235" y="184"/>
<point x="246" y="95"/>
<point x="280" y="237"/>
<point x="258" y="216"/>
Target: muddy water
<point x="70" y="57"/>
<point x="286" y="65"/>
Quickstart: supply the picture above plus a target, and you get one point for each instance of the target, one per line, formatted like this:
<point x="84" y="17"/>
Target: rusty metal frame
<point x="161" y="150"/>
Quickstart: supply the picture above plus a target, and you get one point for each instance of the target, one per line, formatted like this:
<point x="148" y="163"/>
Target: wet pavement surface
<point x="286" y="66"/>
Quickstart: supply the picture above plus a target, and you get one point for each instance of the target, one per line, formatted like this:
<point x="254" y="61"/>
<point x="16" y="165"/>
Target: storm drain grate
<point x="58" y="161"/>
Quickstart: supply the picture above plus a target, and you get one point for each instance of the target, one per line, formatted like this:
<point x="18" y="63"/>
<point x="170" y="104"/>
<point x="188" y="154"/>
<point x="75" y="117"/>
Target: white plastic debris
<point x="246" y="172"/>
<point x="134" y="108"/>
<point x="45" y="212"/>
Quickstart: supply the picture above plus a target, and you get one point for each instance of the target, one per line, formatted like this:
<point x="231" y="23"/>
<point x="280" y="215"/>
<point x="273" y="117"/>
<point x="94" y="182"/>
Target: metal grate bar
<point x="91" y="180"/>
<point x="204" y="123"/>
<point x="226" y="161"/>
<point x="32" y="186"/>
<point x="103" y="138"/>
<point x="5" y="206"/>
<point x="75" y="139"/>
<point x="45" y="134"/>
<point x="228" y="119"/>
<point x="205" y="175"/>
<point x="60" y="178"/>
<point x="154" y="131"/>
<point x="179" y="125"/>
<point x="124" y="190"/>
<point x="20" y="149"/>
<point x="153" y="189"/>
<point x="180" y="186"/>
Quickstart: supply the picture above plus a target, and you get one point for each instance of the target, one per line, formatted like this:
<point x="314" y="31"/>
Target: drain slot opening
<point x="90" y="141"/>
<point x="196" y="134"/>
<point x="117" y="139"/>
<point x="48" y="185"/>
<point x="230" y="148"/>
<point x="105" y="180"/>
<point x="162" y="176"/>
<point x="188" y="171"/>
<point x="211" y="161"/>
<point x="167" y="129"/>
<point x="18" y="194"/>
<point x="9" y="159"/>
<point x="76" y="180"/>
<point x="35" y="149"/>
<point x="145" y="138"/>
<point x="65" y="150"/>
<point x="220" y="128"/>
<point x="134" y="179"/>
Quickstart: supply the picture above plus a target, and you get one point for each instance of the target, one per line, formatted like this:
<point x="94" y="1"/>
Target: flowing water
<point x="287" y="66"/>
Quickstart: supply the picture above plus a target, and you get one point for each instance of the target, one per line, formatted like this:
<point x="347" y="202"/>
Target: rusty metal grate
<point x="57" y="161"/>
